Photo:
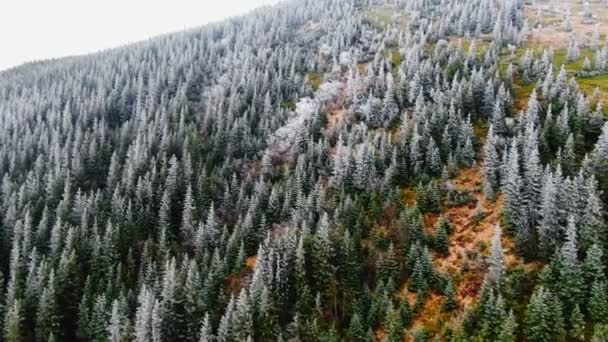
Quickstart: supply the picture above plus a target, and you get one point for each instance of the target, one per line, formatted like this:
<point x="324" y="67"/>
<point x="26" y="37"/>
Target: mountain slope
<point x="316" y="170"/>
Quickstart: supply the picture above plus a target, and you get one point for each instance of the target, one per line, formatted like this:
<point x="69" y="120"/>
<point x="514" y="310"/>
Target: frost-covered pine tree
<point x="491" y="166"/>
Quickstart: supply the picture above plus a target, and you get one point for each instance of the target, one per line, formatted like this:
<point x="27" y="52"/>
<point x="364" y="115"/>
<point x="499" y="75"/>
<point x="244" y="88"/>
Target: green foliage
<point x="13" y="324"/>
<point x="450" y="303"/>
<point x="577" y="324"/>
<point x="598" y="302"/>
<point x="600" y="333"/>
<point x="441" y="241"/>
<point x="405" y="312"/>
<point x="392" y="324"/>
<point x="315" y="80"/>
<point x="356" y="329"/>
<point x="544" y="321"/>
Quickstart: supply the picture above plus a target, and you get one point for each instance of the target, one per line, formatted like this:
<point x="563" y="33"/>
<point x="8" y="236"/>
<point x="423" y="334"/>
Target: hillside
<point x="318" y="170"/>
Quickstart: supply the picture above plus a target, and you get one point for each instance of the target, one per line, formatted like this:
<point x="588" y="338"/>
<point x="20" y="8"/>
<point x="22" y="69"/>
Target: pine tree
<point x="593" y="227"/>
<point x="441" y="241"/>
<point x="450" y="302"/>
<point x="116" y="329"/>
<point x="356" y="330"/>
<point x="569" y="156"/>
<point x="532" y="180"/>
<point x="513" y="210"/>
<point x="99" y="319"/>
<point x="187" y="227"/>
<point x="600" y="333"/>
<point x="544" y="317"/>
<point x="497" y="121"/>
<point x="570" y="275"/>
<point x="392" y="324"/>
<point x="549" y="230"/>
<point x="405" y="312"/>
<point x="48" y="316"/>
<point x="593" y="267"/>
<point x="494" y="278"/>
<point x="388" y="266"/>
<point x="491" y="166"/>
<point x="143" y="317"/>
<point x="577" y="323"/>
<point x="242" y="320"/>
<point x="598" y="302"/>
<point x="508" y="329"/>
<point x="341" y="162"/>
<point x="321" y="256"/>
<point x="13" y="323"/>
<point x="206" y="333"/>
<point x="390" y="109"/>
<point x="493" y="316"/>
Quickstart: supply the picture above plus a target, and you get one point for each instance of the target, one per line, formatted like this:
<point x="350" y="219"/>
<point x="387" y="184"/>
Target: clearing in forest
<point x="473" y="226"/>
<point x="550" y="27"/>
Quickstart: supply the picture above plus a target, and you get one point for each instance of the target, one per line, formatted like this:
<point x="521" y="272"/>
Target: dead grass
<point x="409" y="197"/>
<point x="388" y="14"/>
<point x="468" y="235"/>
<point x="468" y="245"/>
<point x="315" y="80"/>
<point x="251" y="262"/>
<point x="334" y="117"/>
<point x="431" y="317"/>
<point x="552" y="32"/>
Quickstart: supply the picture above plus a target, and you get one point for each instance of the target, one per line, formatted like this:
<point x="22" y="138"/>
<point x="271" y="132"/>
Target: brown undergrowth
<point x="473" y="225"/>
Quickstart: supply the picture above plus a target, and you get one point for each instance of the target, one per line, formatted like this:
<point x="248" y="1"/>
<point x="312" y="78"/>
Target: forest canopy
<point x="318" y="170"/>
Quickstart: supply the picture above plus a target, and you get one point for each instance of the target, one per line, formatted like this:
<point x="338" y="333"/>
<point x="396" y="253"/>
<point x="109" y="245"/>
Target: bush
<point x="456" y="198"/>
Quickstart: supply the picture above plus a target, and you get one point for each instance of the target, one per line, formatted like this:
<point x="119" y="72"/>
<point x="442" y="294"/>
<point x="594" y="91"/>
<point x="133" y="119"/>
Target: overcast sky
<point x="40" y="29"/>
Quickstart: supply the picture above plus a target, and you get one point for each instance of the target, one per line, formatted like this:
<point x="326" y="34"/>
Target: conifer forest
<point x="316" y="170"/>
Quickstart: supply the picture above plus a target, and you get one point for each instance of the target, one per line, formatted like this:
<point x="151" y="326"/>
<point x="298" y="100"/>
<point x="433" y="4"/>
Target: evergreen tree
<point x="441" y="241"/>
<point x="491" y="166"/>
<point x="544" y="317"/>
<point x="600" y="333"/>
<point x="143" y="320"/>
<point x="508" y="329"/>
<point x="405" y="312"/>
<point x="117" y="326"/>
<point x="450" y="302"/>
<point x="388" y="266"/>
<point x="514" y="214"/>
<point x="570" y="277"/>
<point x="392" y="324"/>
<point x="549" y="229"/>
<point x="356" y="330"/>
<point x="13" y="323"/>
<point x="577" y="323"/>
<point x="598" y="302"/>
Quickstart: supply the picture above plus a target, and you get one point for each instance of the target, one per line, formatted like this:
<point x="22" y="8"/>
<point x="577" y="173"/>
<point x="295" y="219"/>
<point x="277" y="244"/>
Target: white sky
<point x="41" y="29"/>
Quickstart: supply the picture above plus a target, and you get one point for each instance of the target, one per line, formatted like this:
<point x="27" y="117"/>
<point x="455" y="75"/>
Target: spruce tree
<point x="544" y="320"/>
<point x="356" y="329"/>
<point x="513" y="210"/>
<point x="600" y="333"/>
<point x="491" y="166"/>
<point x="577" y="324"/>
<point x="392" y="324"/>
<point x="13" y="323"/>
<point x="508" y="329"/>
<point x="598" y="302"/>
<point x="450" y="303"/>
<point x="441" y="240"/>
